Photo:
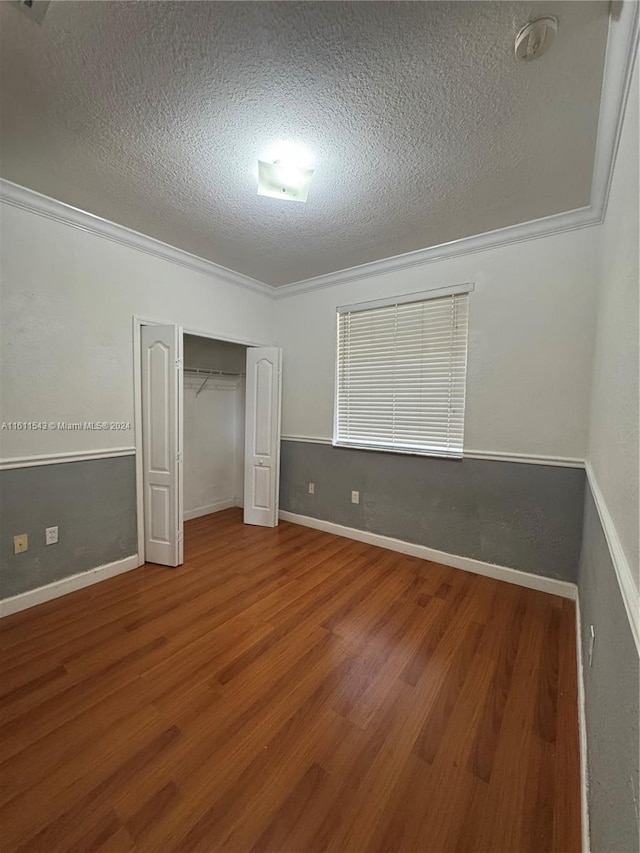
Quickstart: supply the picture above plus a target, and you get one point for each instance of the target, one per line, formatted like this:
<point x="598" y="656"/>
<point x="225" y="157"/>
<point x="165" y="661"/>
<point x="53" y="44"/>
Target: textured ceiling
<point x="423" y="126"/>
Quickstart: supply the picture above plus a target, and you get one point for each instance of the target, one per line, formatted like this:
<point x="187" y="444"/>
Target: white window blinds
<point x="401" y="374"/>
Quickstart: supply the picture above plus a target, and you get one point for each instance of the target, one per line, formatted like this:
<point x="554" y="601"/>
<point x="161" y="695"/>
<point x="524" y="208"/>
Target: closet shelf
<point x="209" y="373"/>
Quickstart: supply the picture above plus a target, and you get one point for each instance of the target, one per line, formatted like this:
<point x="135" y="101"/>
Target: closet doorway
<point x="214" y="425"/>
<point x="207" y="433"/>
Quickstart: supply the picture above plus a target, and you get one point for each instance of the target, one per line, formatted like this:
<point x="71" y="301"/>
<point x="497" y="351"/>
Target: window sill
<point x="386" y="448"/>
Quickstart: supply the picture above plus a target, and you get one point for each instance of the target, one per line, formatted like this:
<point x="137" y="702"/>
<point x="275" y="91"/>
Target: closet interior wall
<point x="214" y="419"/>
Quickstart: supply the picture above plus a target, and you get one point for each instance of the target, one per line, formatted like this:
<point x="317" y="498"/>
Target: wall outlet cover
<point x="20" y="543"/>
<point x="51" y="535"/>
<point x="355" y="497"/>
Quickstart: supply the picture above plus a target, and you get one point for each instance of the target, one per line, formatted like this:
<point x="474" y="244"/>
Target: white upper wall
<point x="68" y="298"/>
<point x="615" y="414"/>
<point x="531" y="329"/>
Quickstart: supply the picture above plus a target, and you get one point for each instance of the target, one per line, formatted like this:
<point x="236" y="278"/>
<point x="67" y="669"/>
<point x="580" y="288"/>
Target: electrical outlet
<point x="21" y="543"/>
<point x="312" y="488"/>
<point x="592" y="642"/>
<point x="355" y="497"/>
<point x="51" y="535"/>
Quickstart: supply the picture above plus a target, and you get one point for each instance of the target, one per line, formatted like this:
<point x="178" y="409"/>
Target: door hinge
<point x="179" y="457"/>
<point x="179" y="535"/>
<point x="178" y="363"/>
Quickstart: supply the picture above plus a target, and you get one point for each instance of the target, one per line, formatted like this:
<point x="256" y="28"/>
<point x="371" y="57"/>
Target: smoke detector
<point x="536" y="38"/>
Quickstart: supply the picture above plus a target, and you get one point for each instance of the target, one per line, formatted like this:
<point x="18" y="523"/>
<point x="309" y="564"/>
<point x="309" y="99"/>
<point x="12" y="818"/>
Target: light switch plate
<point x="355" y="497"/>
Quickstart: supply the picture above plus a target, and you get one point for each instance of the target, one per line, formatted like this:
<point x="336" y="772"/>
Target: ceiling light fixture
<point x="285" y="173"/>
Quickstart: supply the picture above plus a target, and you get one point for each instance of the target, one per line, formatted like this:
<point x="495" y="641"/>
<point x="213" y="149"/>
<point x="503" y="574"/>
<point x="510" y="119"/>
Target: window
<point x="401" y="373"/>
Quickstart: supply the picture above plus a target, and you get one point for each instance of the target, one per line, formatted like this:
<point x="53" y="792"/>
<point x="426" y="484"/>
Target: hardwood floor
<point x="288" y="690"/>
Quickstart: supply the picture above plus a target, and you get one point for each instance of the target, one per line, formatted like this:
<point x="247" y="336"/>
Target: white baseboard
<point x="582" y="729"/>
<point x="207" y="510"/>
<point x="467" y="564"/>
<point x="54" y="590"/>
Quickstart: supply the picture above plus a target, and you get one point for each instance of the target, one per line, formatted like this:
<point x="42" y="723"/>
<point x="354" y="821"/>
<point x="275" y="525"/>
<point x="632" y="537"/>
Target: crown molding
<point x="582" y="217"/>
<point x="42" y="205"/>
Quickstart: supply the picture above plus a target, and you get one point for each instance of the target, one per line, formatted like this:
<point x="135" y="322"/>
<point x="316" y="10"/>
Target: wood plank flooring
<point x="290" y="691"/>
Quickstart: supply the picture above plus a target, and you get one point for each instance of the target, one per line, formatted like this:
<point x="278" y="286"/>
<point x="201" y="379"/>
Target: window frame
<point x="465" y="288"/>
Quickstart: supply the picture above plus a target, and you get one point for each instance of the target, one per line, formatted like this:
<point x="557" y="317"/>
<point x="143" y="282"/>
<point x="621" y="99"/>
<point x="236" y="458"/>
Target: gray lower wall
<point x="527" y="517"/>
<point x="612" y="691"/>
<point x="92" y="502"/>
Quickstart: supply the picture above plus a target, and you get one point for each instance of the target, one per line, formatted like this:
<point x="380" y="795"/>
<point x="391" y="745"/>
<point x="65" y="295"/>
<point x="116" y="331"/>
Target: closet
<point x="207" y="433"/>
<point x="213" y="424"/>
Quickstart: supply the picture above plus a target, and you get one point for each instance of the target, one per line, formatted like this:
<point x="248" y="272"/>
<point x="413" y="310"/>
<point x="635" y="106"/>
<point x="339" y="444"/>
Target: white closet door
<point x="161" y="361"/>
<point x="262" y="436"/>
